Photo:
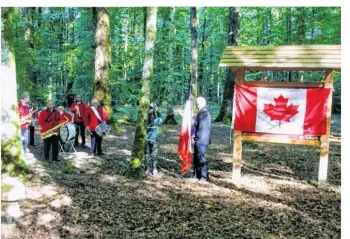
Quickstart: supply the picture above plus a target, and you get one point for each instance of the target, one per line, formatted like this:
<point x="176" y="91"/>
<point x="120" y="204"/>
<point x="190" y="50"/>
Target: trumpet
<point x="27" y="117"/>
<point x="51" y="132"/>
<point x="77" y="109"/>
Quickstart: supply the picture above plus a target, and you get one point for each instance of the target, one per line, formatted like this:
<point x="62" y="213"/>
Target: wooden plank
<point x="280" y="140"/>
<point x="257" y="68"/>
<point x="284" y="65"/>
<point x="280" y="52"/>
<point x="282" y="136"/>
<point x="272" y="56"/>
<point x="324" y="149"/>
<point x="282" y="60"/>
<point x="237" y="142"/>
<point x="287" y="47"/>
<point x="284" y="84"/>
<point x="237" y="158"/>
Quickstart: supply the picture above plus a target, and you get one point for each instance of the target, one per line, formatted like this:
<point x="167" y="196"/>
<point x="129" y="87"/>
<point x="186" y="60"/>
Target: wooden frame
<point x="289" y="58"/>
<point x="322" y="142"/>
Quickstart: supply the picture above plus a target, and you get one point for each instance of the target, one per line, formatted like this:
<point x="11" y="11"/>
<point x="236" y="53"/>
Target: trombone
<point x="51" y="132"/>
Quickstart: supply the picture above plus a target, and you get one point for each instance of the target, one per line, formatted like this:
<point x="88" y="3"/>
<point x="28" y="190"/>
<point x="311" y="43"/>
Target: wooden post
<point x="324" y="149"/>
<point x="237" y="142"/>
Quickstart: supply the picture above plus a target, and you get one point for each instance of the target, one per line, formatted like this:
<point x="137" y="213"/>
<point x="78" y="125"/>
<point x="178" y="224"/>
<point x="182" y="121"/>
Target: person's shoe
<point x="203" y="180"/>
<point x="101" y="154"/>
<point x="154" y="172"/>
<point x="83" y="146"/>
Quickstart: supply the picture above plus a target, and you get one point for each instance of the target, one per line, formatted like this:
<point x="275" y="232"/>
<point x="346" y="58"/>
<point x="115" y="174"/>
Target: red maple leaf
<point x="280" y="111"/>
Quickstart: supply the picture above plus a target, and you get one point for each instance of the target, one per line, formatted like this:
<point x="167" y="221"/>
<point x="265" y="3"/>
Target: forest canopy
<point x="55" y="49"/>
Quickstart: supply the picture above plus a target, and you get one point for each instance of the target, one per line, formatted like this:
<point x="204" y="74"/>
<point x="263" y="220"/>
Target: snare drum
<point x="67" y="132"/>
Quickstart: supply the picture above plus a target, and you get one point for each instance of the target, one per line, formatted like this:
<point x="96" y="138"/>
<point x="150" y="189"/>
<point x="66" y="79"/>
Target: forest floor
<point x="87" y="197"/>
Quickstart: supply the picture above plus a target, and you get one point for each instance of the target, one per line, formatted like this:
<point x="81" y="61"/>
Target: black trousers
<point x="31" y="135"/>
<point x="200" y="162"/>
<point x="53" y="140"/>
<point x="81" y="128"/>
<point x="96" y="143"/>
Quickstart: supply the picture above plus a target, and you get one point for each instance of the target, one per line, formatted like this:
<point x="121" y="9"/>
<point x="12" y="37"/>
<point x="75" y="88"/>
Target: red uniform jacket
<point x="90" y="119"/>
<point x="47" y="120"/>
<point x="69" y="117"/>
<point x="82" y="108"/>
<point x="23" y="111"/>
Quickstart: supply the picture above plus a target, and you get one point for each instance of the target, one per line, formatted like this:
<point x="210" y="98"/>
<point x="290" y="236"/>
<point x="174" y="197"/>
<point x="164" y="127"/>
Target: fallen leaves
<point x="278" y="201"/>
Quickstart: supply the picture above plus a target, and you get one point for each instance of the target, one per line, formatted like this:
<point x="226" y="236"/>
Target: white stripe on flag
<point x="266" y="96"/>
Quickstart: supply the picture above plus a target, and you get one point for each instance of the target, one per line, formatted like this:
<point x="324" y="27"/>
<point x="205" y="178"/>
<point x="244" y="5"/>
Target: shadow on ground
<point x="87" y="197"/>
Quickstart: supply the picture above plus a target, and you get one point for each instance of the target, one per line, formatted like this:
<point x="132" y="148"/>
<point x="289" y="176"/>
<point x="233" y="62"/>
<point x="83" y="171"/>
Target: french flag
<point x="187" y="130"/>
<point x="300" y="112"/>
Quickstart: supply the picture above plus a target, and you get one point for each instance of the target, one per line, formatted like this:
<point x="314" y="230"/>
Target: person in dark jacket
<point x="34" y="118"/>
<point x="202" y="139"/>
<point x="154" y="120"/>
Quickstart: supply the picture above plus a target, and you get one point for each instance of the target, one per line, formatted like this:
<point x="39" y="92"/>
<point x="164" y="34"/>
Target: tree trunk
<point x="301" y="34"/>
<point x="12" y="158"/>
<point x="194" y="55"/>
<point x="289" y="34"/>
<point x="233" y="40"/>
<point x="201" y="64"/>
<point x="102" y="58"/>
<point x="170" y="118"/>
<point x="137" y="157"/>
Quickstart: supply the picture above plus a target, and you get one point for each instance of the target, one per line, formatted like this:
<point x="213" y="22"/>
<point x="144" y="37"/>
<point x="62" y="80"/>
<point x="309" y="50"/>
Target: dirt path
<point x="87" y="197"/>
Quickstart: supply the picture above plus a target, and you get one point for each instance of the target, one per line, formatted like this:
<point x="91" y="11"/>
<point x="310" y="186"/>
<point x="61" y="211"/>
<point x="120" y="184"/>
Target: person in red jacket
<point x="94" y="116"/>
<point x="78" y="108"/>
<point x="64" y="114"/>
<point x="23" y="110"/>
<point x="48" y="119"/>
<point x="32" y="108"/>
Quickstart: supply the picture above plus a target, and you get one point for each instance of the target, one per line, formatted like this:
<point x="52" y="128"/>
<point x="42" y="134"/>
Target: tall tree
<point x="233" y="40"/>
<point x="170" y="118"/>
<point x="194" y="54"/>
<point x="102" y="57"/>
<point x="301" y="33"/>
<point x="12" y="158"/>
<point x="137" y="157"/>
<point x="203" y="45"/>
<point x="289" y="34"/>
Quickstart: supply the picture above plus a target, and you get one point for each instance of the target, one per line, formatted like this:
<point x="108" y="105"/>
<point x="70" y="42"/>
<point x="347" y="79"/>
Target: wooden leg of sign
<point x="237" y="158"/>
<point x="324" y="150"/>
<point x="323" y="167"/>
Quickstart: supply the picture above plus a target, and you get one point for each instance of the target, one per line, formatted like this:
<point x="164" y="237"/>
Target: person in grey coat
<point x="202" y="139"/>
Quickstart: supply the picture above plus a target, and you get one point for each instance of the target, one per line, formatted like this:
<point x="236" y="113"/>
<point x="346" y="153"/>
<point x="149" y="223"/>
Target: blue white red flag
<point x="187" y="130"/>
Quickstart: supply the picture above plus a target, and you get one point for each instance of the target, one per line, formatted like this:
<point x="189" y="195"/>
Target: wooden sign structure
<point x="287" y="58"/>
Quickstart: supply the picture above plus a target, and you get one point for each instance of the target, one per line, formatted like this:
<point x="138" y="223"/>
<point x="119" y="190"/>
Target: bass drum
<point x="67" y="132"/>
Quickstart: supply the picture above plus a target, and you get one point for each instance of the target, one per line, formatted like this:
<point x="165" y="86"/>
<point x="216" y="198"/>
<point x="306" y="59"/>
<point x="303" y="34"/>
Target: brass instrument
<point x="27" y="117"/>
<point x="51" y="132"/>
<point x="77" y="109"/>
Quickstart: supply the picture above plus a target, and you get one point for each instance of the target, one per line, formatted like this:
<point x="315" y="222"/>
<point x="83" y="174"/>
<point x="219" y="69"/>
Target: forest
<point x="128" y="58"/>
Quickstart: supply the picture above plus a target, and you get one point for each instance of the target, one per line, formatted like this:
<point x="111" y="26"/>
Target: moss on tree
<point x="137" y="157"/>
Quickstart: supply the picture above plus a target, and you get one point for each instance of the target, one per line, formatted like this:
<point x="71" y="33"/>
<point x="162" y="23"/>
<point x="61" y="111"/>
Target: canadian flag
<point x="280" y="111"/>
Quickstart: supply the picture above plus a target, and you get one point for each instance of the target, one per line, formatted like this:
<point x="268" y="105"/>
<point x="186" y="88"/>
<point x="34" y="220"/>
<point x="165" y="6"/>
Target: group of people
<point x="89" y="117"/>
<point x="51" y="119"/>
